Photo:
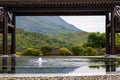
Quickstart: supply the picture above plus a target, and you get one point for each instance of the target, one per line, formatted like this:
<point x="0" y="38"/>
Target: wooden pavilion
<point x="9" y="9"/>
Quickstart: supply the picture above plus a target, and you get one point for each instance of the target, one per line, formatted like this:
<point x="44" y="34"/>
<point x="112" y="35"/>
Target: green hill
<point x="75" y="38"/>
<point x="45" y="24"/>
<point x="26" y="39"/>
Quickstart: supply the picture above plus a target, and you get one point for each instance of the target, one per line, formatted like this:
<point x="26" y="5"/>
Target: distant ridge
<point x="45" y="24"/>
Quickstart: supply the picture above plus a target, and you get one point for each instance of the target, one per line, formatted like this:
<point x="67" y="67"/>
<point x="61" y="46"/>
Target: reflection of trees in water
<point x="97" y="60"/>
<point x="110" y="64"/>
<point x="94" y="67"/>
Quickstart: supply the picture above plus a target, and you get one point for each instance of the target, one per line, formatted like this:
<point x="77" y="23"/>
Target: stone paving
<point x="95" y="77"/>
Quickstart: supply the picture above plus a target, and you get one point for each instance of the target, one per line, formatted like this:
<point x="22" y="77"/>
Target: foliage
<point x="31" y="52"/>
<point x="26" y="39"/>
<point x="18" y="53"/>
<point x="77" y="50"/>
<point x="117" y="40"/>
<point x="103" y="50"/>
<point x="46" y="49"/>
<point x="96" y="40"/>
<point x="89" y="51"/>
<point x="95" y="66"/>
<point x="65" y="51"/>
<point x="35" y="40"/>
<point x="72" y="38"/>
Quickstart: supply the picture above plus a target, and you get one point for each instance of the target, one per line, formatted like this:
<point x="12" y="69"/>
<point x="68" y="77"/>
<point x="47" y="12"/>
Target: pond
<point x="66" y="65"/>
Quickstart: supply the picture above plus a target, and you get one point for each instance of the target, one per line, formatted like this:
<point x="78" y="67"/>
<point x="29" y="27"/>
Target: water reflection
<point x="110" y="65"/>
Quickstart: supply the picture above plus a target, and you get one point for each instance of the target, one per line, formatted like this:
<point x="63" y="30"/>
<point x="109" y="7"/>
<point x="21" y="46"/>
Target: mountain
<point x="45" y="24"/>
<point x="75" y="38"/>
<point x="33" y="32"/>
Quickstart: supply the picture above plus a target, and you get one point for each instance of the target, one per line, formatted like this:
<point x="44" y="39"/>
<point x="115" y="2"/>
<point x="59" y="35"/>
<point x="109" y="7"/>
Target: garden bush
<point x="46" y="50"/>
<point x="18" y="53"/>
<point x="77" y="50"/>
<point x="103" y="51"/>
<point x="31" y="52"/>
<point x="89" y="51"/>
<point x="65" y="51"/>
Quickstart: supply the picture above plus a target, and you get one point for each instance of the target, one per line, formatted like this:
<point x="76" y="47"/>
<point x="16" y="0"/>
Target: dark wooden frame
<point x="56" y="7"/>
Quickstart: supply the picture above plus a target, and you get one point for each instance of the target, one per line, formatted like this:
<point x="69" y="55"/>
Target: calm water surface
<point x="64" y="65"/>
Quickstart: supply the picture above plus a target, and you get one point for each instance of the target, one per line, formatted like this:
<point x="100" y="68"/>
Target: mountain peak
<point x="45" y="24"/>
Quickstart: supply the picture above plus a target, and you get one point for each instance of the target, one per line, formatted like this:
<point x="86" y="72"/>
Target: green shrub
<point x="37" y="52"/>
<point x="89" y="51"/>
<point x="18" y="53"/>
<point x="103" y="51"/>
<point x="77" y="50"/>
<point x="46" y="50"/>
<point x="65" y="51"/>
<point x="31" y="52"/>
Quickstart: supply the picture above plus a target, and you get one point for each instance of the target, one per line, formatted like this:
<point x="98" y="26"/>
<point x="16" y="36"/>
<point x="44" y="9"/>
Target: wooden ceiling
<point x="58" y="7"/>
<point x="58" y="3"/>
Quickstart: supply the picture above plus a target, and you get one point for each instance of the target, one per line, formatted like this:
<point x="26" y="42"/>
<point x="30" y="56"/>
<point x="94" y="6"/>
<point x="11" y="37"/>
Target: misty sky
<point x="87" y="23"/>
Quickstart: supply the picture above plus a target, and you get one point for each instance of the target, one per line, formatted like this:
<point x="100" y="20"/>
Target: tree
<point x="65" y="51"/>
<point x="77" y="50"/>
<point x="89" y="51"/>
<point x="117" y="40"/>
<point x="31" y="52"/>
<point x="96" y="40"/>
<point x="46" y="49"/>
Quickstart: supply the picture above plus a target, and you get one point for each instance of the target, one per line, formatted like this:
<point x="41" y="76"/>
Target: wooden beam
<point x="35" y="11"/>
<point x="5" y="31"/>
<point x="112" y="33"/>
<point x="59" y="13"/>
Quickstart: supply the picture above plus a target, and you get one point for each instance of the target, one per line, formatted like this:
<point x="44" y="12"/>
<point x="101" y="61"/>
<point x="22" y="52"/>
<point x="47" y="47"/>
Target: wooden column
<point x="112" y="34"/>
<point x="107" y="35"/>
<point x="13" y="47"/>
<point x="5" y="31"/>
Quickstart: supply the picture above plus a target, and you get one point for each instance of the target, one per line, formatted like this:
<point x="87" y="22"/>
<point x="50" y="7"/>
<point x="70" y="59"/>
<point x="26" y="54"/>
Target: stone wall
<point x="97" y="77"/>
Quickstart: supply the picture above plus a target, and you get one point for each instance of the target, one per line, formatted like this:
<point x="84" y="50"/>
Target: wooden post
<point x="13" y="47"/>
<point x="112" y="34"/>
<point x="107" y="35"/>
<point x="5" y="31"/>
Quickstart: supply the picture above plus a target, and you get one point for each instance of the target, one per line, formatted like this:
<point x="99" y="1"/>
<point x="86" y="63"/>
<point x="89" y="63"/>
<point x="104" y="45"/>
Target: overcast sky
<point x="87" y="23"/>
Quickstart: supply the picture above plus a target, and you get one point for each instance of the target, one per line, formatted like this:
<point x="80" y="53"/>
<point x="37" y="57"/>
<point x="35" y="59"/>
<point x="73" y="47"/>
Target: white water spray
<point x="40" y="60"/>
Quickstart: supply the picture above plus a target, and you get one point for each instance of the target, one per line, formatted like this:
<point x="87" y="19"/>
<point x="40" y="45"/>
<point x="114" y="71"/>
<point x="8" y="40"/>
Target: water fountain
<point x="40" y="60"/>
